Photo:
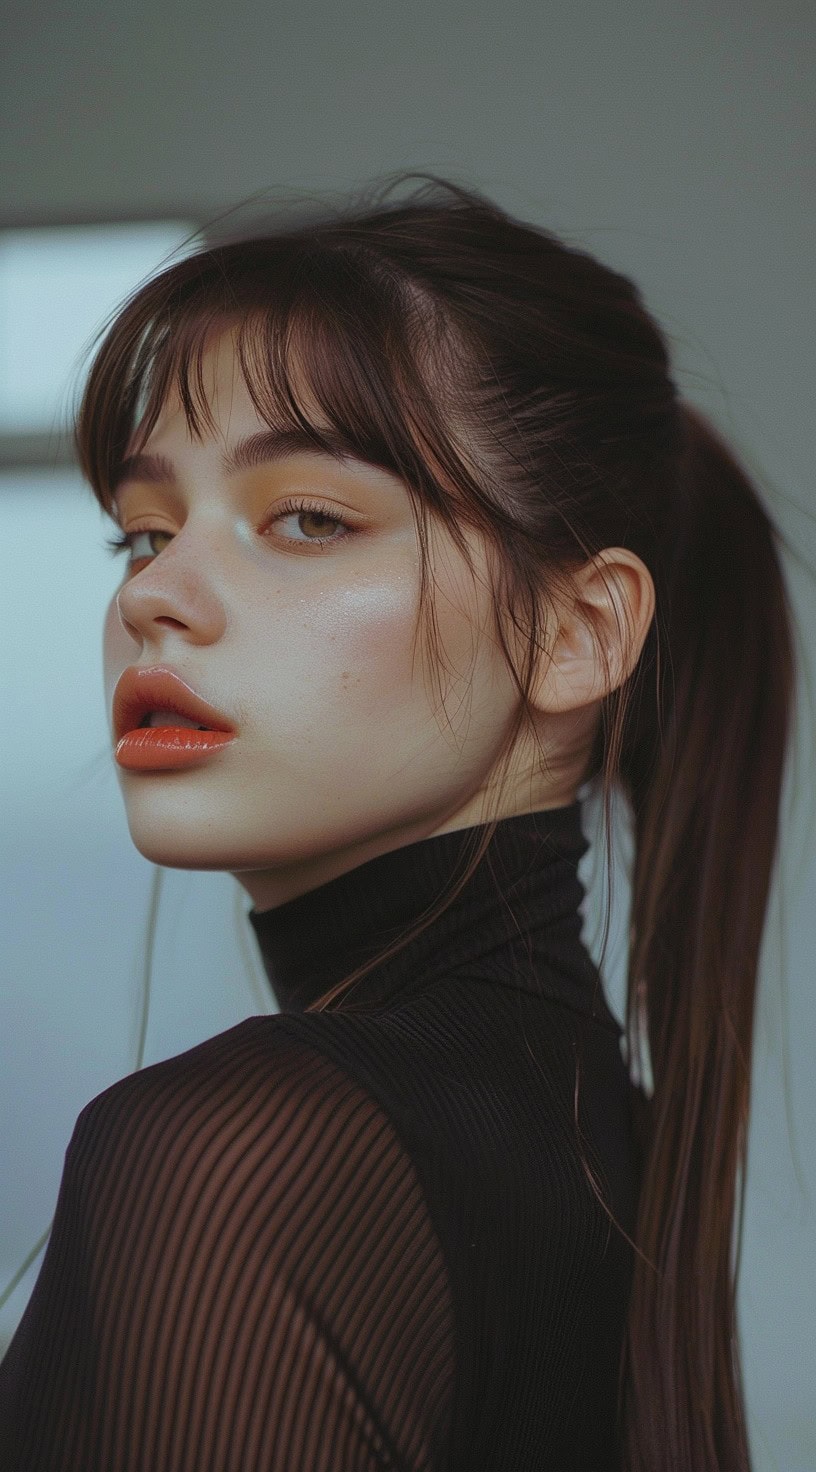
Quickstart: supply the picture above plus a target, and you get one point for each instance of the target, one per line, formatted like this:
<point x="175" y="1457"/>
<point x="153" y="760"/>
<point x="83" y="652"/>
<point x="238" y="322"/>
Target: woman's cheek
<point x="369" y="634"/>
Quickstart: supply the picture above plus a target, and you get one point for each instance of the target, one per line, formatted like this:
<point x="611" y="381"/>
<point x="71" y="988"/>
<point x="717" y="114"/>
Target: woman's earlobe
<point x="571" y="676"/>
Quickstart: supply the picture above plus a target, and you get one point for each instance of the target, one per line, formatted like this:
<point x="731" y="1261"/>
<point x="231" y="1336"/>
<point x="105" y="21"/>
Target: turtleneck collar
<point x="516" y="922"/>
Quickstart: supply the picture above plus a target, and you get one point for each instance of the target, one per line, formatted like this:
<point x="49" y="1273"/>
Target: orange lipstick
<point x="166" y="748"/>
<point x="143" y="747"/>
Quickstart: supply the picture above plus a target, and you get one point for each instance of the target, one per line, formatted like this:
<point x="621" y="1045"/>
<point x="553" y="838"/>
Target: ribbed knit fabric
<point x="357" y="1239"/>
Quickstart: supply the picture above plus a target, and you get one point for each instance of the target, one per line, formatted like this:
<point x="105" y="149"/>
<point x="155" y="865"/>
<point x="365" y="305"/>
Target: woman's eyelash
<point x="294" y="506"/>
<point x="297" y="505"/>
<point x="118" y="543"/>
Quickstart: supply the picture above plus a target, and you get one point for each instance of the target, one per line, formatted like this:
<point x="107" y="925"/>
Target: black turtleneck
<point x="516" y="923"/>
<point x="360" y="1238"/>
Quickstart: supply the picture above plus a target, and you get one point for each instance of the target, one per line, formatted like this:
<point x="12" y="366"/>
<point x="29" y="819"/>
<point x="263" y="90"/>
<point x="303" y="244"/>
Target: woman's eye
<point x="318" y="525"/>
<point x="312" y="520"/>
<point x="129" y="541"/>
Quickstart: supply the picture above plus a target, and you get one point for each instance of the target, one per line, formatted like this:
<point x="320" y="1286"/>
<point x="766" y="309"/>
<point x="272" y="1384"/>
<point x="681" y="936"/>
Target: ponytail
<point x="703" y="769"/>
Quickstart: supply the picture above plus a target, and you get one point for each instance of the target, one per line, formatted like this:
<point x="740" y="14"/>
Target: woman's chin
<point x="176" y="849"/>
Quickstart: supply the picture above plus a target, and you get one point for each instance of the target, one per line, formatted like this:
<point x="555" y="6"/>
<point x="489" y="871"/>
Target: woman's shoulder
<point x="231" y="1222"/>
<point x="289" y="1102"/>
<point x="281" y="1062"/>
<point x="258" y="1112"/>
<point x="262" y="1066"/>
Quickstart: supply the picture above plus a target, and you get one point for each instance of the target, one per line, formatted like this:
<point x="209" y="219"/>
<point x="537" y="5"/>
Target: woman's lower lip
<point x="163" y="748"/>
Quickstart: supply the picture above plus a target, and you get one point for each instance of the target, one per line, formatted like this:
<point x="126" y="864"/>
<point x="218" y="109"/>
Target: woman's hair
<point x="520" y="388"/>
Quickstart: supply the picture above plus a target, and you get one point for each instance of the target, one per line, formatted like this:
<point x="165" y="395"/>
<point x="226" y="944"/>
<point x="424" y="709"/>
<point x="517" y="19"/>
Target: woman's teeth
<point x="169" y="718"/>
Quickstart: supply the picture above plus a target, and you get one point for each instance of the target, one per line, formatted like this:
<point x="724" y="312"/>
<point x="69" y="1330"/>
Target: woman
<point x="421" y="544"/>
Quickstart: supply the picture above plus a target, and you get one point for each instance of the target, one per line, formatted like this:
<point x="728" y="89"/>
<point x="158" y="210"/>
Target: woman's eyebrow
<point x="263" y="448"/>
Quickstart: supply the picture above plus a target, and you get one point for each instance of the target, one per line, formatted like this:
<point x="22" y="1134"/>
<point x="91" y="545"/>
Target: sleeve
<point x="242" y="1276"/>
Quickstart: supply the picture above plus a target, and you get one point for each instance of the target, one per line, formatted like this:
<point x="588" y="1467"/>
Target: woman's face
<point x="342" y="752"/>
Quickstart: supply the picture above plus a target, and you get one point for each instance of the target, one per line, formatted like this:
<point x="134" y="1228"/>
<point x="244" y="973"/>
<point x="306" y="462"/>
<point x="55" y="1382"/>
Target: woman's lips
<point x="168" y="748"/>
<point x="159" y="691"/>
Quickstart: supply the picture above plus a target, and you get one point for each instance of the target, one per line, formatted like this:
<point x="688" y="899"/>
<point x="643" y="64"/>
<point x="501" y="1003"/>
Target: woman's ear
<point x="612" y="607"/>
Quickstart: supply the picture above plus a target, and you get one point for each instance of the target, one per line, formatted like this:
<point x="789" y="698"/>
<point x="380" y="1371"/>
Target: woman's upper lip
<point x="159" y="688"/>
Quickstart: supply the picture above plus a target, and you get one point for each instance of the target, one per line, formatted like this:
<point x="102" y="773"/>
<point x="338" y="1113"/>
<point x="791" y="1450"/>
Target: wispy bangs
<point x="325" y="340"/>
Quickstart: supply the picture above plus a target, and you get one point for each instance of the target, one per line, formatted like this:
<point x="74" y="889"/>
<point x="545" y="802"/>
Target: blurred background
<point x="677" y="143"/>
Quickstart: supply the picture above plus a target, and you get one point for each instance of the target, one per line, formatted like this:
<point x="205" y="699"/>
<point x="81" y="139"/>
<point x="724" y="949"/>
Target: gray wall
<point x="675" y="140"/>
<point x="678" y="140"/>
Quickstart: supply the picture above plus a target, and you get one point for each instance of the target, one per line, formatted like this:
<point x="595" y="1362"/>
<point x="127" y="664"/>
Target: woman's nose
<point x="160" y="599"/>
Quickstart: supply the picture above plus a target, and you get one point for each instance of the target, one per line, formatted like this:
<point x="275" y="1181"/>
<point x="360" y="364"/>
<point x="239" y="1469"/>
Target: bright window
<point x="57" y="287"/>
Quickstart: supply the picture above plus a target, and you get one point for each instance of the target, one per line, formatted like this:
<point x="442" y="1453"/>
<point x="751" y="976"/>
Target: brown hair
<point x="520" y="387"/>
